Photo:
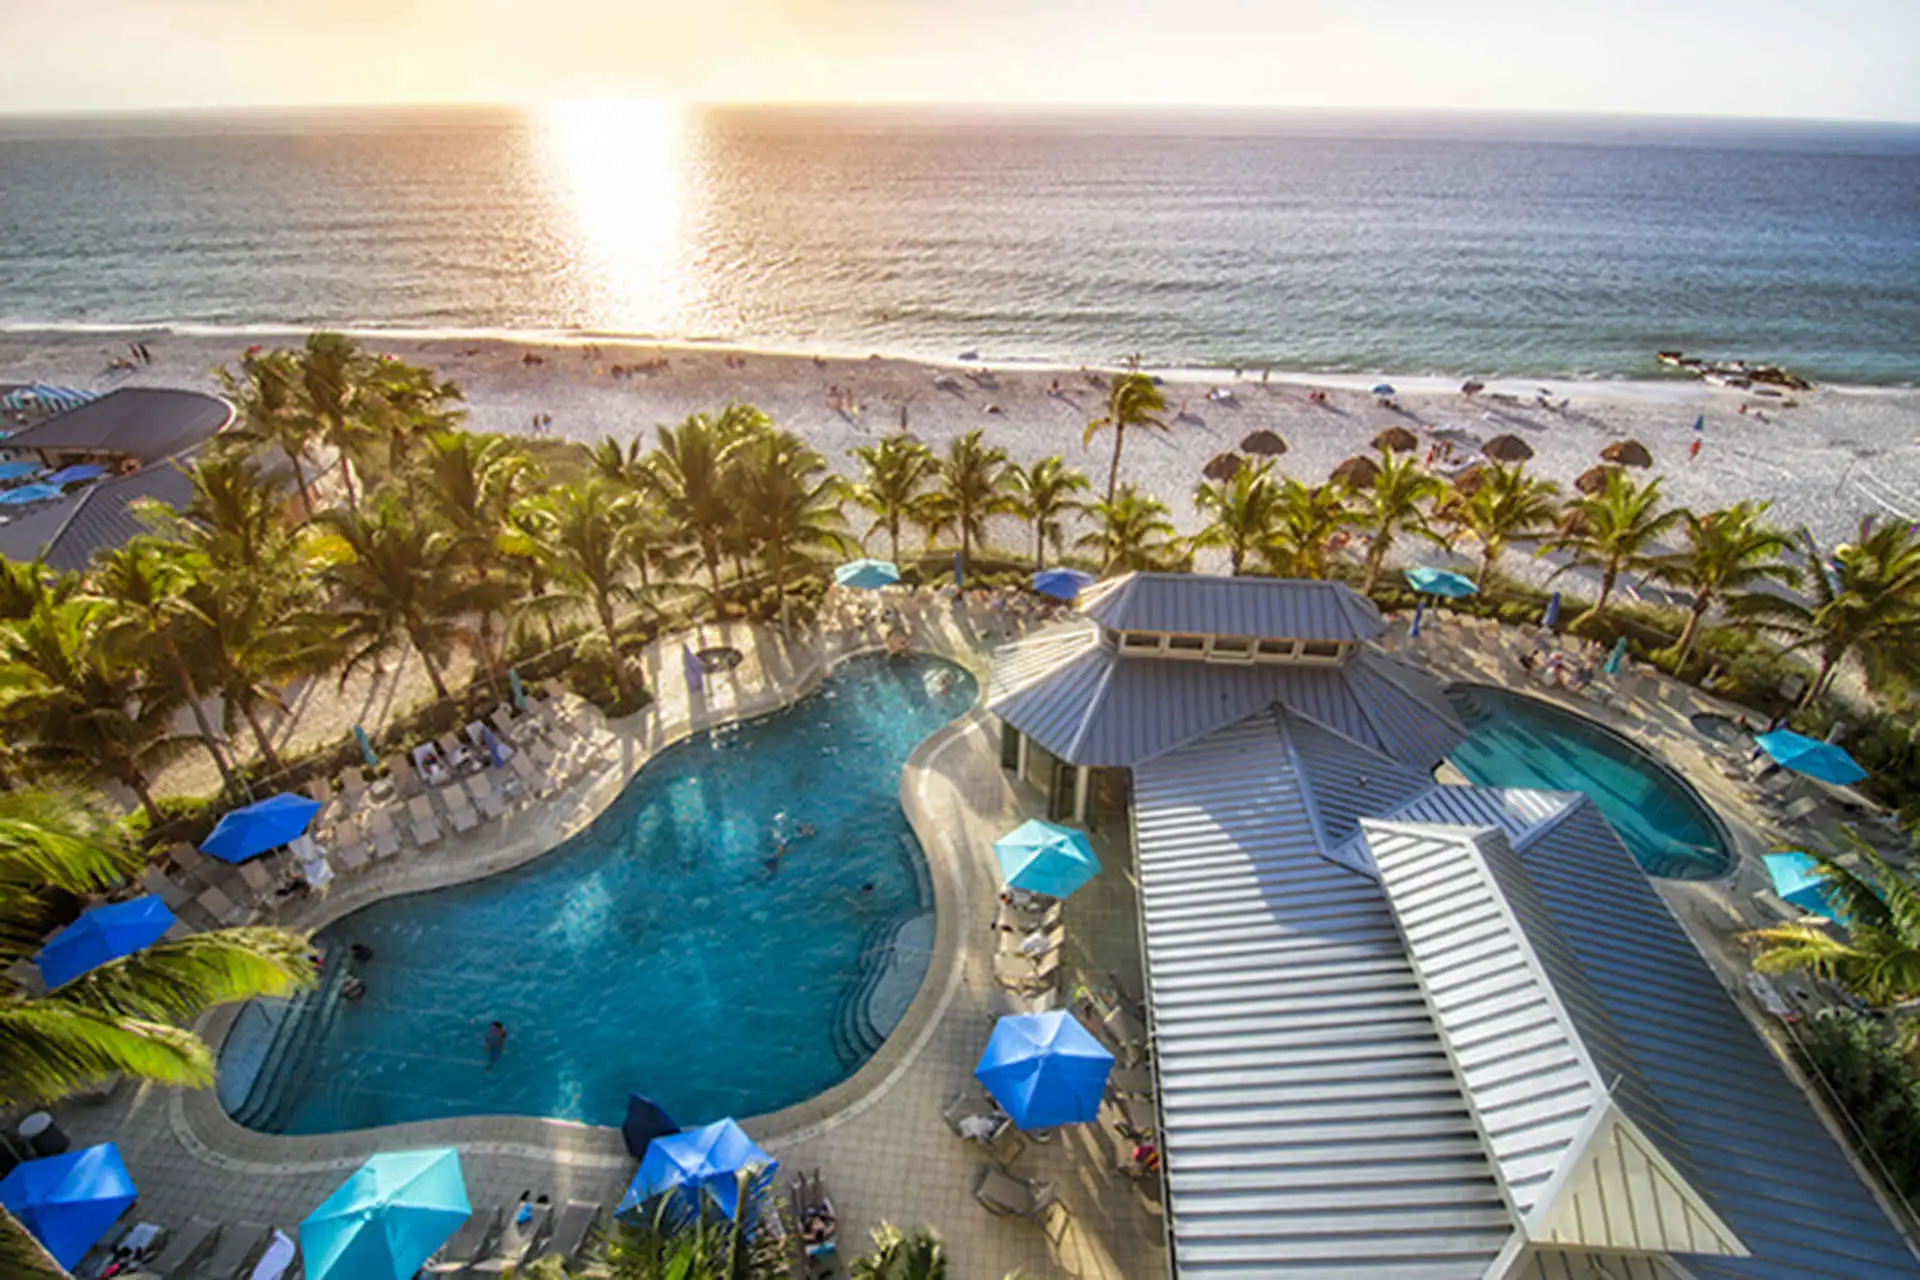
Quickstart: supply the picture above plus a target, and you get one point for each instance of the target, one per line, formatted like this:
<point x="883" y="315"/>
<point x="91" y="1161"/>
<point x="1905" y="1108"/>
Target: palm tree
<point x="1879" y="962"/>
<point x="1131" y="532"/>
<point x="1727" y="554"/>
<point x="398" y="583"/>
<point x="677" y="1242"/>
<point x="338" y="397"/>
<point x="1043" y="495"/>
<point x="1240" y="512"/>
<point x="1132" y="401"/>
<point x="583" y="545"/>
<point x="1397" y="502"/>
<point x="268" y="410"/>
<point x="407" y="406"/>
<point x="899" y="1255"/>
<point x="970" y="484"/>
<point x="1507" y="503"/>
<point x="25" y="583"/>
<point x="793" y="507"/>
<point x="623" y="468"/>
<point x="893" y="472"/>
<point x="1302" y="534"/>
<point x="250" y="640"/>
<point x="1615" y="531"/>
<point x="470" y="484"/>
<point x="691" y="471"/>
<point x="232" y="519"/>
<point x="1864" y="600"/>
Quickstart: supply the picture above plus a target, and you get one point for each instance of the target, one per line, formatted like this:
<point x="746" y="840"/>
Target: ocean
<point x="1458" y="245"/>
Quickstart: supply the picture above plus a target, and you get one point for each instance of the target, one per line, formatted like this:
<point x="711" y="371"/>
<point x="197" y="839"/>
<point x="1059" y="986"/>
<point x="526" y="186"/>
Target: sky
<point x="1843" y="59"/>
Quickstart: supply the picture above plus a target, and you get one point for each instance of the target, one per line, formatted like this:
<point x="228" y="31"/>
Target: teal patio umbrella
<point x="867" y="575"/>
<point x="387" y="1219"/>
<point x="1810" y="756"/>
<point x="1797" y="879"/>
<point x="1618" y="656"/>
<point x="1441" y="582"/>
<point x="1040" y="857"/>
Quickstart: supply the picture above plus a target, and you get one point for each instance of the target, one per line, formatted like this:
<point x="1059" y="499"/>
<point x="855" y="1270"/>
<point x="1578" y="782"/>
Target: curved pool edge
<point x="203" y="1126"/>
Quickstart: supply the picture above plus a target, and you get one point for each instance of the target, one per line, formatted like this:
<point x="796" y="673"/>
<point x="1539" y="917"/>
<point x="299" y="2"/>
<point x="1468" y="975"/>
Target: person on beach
<point x="1693" y="450"/>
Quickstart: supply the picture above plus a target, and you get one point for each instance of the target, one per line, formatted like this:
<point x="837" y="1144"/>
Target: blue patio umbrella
<point x="1618" y="656"/>
<point x="1441" y="582"/>
<point x="1797" y="879"/>
<point x="1044" y="1069"/>
<point x="1062" y="584"/>
<point x="959" y="570"/>
<point x="263" y="825"/>
<point x="867" y="575"/>
<point x="1383" y="388"/>
<point x="646" y="1120"/>
<point x="699" y="1162"/>
<point x="1551" y="618"/>
<point x="75" y="474"/>
<point x="1043" y="858"/>
<point x="388" y="1218"/>
<point x="43" y="396"/>
<point x="1419" y="610"/>
<point x="367" y="757"/>
<point x="15" y="470"/>
<point x="68" y="1201"/>
<point x="696" y="677"/>
<point x="1810" y="756"/>
<point x="29" y="493"/>
<point x="102" y="934"/>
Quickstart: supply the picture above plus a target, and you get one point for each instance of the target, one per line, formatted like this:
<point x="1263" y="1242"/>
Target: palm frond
<point x="21" y="1256"/>
<point x="50" y="1049"/>
<point x="182" y="979"/>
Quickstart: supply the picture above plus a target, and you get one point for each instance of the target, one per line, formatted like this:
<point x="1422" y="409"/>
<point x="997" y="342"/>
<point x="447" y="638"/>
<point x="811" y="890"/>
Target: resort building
<point x="1404" y="1028"/>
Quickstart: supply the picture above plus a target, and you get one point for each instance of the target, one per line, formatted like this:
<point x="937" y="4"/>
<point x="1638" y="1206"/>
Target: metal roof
<point x="1267" y="608"/>
<point x="147" y="423"/>
<point x="98" y="518"/>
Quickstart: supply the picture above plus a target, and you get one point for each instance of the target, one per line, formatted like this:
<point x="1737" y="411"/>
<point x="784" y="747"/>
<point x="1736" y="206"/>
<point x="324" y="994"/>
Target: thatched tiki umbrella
<point x="1357" y="472"/>
<point x="1222" y="467"/>
<point x="1628" y="453"/>
<point x="1508" y="449"/>
<point x="1264" y="444"/>
<point x="1468" y="481"/>
<point x="1594" y="479"/>
<point x="1397" y="440"/>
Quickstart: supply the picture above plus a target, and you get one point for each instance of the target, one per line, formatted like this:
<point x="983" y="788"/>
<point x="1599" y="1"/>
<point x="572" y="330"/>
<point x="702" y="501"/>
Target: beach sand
<point x="1838" y="455"/>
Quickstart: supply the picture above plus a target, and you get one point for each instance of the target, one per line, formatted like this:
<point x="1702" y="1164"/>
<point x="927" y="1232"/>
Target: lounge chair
<point x="350" y="851"/>
<point x="1801" y="810"/>
<point x="427" y="762"/>
<point x="1035" y="945"/>
<point x="1002" y="1001"/>
<point x="571" y="1229"/>
<point x="386" y="840"/>
<point x="184" y="1248"/>
<point x="466" y="1244"/>
<point x="516" y="1241"/>
<point x="406" y="781"/>
<point x="457" y="756"/>
<point x="166" y="888"/>
<point x="1017" y="973"/>
<point x="240" y="1243"/>
<point x="1130" y="1082"/>
<point x="538" y="780"/>
<point x="353" y="789"/>
<point x="257" y="876"/>
<point x="322" y="795"/>
<point x="279" y="1257"/>
<point x="485" y="798"/>
<point x="503" y="721"/>
<point x="425" y="827"/>
<point x="477" y="734"/>
<point x="1014" y="918"/>
<point x="225" y="910"/>
<point x="1007" y="1196"/>
<point x="460" y="814"/>
<point x="812" y="1208"/>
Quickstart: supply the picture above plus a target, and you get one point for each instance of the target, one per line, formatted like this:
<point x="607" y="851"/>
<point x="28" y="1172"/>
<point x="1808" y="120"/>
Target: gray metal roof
<point x="147" y="423"/>
<point x="98" y="518"/>
<point x="1269" y="608"/>
<point x="1089" y="705"/>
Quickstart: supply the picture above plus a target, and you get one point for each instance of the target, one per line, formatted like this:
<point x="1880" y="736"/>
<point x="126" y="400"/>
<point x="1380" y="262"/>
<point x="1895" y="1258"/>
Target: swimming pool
<point x="1517" y="741"/>
<point x="656" y="952"/>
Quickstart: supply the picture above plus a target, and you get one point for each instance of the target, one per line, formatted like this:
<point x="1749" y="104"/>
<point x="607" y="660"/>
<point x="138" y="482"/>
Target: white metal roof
<point x="1268" y="608"/>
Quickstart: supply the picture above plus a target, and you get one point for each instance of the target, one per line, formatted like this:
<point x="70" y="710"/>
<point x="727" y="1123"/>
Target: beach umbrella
<point x="29" y="493"/>
<point x="1441" y="582"/>
<point x="516" y="690"/>
<point x="15" y="470"/>
<point x="1419" y="611"/>
<point x="1357" y="472"/>
<point x="867" y="575"/>
<point x="1594" y="479"/>
<point x="1264" y="444"/>
<point x="1628" y="453"/>
<point x="1397" y="440"/>
<point x="1810" y="756"/>
<point x="1551" y="618"/>
<point x="367" y="757"/>
<point x="262" y="825"/>
<point x="388" y="1218"/>
<point x="696" y="675"/>
<point x="1468" y="482"/>
<point x="1383" y="389"/>
<point x="68" y="1201"/>
<point x="1472" y="385"/>
<point x="1507" y="449"/>
<point x="1700" y="423"/>
<point x="41" y="396"/>
<point x="1062" y="584"/>
<point x="75" y="474"/>
<point x="1044" y="1069"/>
<point x="1222" y="467"/>
<point x="646" y="1120"/>
<point x="1798" y="879"/>
<point x="1041" y="857"/>
<point x="101" y="934"/>
<point x="1618" y="656"/>
<point x="699" y="1162"/>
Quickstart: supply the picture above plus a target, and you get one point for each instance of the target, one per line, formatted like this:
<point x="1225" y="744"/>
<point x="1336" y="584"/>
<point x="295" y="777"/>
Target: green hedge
<point x="1874" y="1084"/>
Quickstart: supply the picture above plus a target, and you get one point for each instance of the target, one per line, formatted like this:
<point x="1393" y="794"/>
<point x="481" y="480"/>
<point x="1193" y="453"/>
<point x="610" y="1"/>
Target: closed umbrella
<point x="1594" y="479"/>
<point x="367" y="756"/>
<point x="68" y="1201"/>
<point x="1264" y="444"/>
<point x="1551" y="618"/>
<point x="1618" y="656"/>
<point x="263" y="825"/>
<point x="102" y="934"/>
<point x="1062" y="584"/>
<point x="1628" y="453"/>
<point x="516" y="690"/>
<point x="388" y="1218"/>
<point x="1507" y="449"/>
<point x="1222" y="467"/>
<point x="867" y="575"/>
<point x="704" y="1163"/>
<point x="1798" y="879"/>
<point x="1357" y="472"/>
<point x="1397" y="440"/>
<point x="696" y="675"/>
<point x="646" y="1120"/>
<point x="1441" y="582"/>
<point x="1810" y="756"/>
<point x="959" y="570"/>
<point x="1044" y="1069"/>
<point x="1041" y="857"/>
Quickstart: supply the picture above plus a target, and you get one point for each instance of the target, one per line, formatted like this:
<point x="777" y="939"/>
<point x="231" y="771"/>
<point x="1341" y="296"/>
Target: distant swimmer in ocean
<point x="496" y="1042"/>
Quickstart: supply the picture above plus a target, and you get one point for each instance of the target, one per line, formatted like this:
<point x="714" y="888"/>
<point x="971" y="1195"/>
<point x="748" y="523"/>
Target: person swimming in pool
<point x="496" y="1042"/>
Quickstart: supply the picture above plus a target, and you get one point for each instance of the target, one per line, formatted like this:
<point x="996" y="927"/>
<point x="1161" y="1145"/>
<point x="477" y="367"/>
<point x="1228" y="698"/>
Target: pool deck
<point x="878" y="1137"/>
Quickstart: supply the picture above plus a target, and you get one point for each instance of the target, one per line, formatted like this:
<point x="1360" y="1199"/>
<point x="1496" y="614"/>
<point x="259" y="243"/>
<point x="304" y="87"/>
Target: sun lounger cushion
<point x="188" y="1245"/>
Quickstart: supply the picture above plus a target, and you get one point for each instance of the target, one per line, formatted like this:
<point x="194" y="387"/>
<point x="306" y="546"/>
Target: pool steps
<point x="289" y="1031"/>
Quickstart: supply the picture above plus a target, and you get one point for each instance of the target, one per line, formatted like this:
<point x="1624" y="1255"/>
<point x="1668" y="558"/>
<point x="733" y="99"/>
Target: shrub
<point x="1874" y="1084"/>
<point x="189" y="818"/>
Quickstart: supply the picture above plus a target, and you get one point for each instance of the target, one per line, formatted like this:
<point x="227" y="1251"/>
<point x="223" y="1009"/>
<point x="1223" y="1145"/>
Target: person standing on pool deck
<point x="496" y="1042"/>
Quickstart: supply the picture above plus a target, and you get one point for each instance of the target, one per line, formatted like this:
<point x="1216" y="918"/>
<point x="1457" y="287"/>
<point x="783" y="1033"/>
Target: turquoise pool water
<point x="656" y="952"/>
<point x="1517" y="741"/>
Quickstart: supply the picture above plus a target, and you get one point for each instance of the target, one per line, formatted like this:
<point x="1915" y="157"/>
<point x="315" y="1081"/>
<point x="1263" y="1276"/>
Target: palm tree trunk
<point x="614" y="656"/>
<point x="433" y="670"/>
<point x="300" y="479"/>
<point x="137" y="781"/>
<point x="1113" y="470"/>
<point x="1689" y="632"/>
<point x="346" y="469"/>
<point x="1829" y="663"/>
<point x="192" y="692"/>
<point x="893" y="539"/>
<point x="1487" y="553"/>
<point x="1039" y="545"/>
<point x="260" y="738"/>
<point x="1376" y="556"/>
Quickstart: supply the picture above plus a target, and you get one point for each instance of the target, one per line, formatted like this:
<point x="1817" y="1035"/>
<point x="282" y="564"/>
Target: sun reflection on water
<point x="621" y="163"/>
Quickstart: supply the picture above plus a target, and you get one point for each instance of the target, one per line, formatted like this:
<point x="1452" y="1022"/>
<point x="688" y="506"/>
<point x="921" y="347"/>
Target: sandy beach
<point x="1836" y="455"/>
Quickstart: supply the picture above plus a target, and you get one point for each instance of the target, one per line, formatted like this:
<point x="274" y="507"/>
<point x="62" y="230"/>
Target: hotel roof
<point x="146" y="423"/>
<point x="1273" y="608"/>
